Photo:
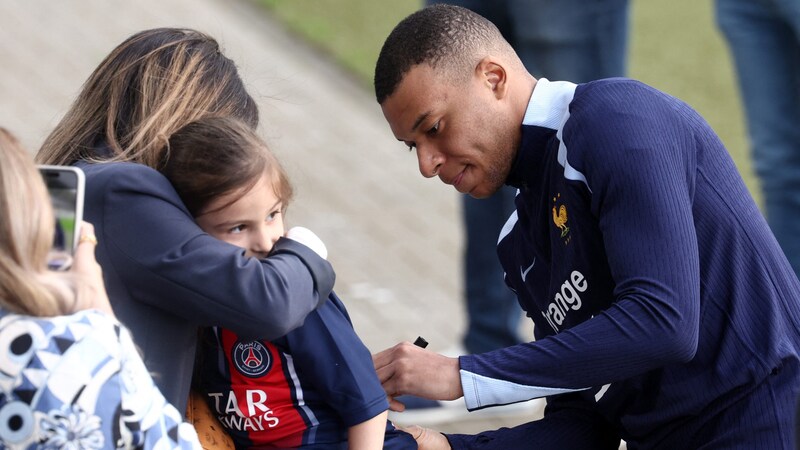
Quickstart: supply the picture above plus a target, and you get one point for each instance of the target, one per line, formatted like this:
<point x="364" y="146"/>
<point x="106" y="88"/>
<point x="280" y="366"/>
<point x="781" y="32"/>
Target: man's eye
<point x="434" y="129"/>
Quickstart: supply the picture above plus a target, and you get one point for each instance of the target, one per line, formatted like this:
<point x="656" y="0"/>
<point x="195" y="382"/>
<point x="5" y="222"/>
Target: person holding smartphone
<point x="70" y="374"/>
<point x="156" y="261"/>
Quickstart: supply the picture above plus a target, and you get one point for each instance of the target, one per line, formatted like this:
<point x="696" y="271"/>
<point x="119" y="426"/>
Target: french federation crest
<point x="560" y="217"/>
<point x="252" y="359"/>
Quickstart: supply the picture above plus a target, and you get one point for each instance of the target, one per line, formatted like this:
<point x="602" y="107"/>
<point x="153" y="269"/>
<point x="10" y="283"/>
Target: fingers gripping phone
<point x="66" y="187"/>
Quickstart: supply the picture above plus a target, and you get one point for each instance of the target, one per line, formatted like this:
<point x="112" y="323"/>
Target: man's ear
<point x="493" y="75"/>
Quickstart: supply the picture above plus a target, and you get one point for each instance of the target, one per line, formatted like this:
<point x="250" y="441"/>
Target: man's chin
<point x="480" y="191"/>
<point x="469" y="190"/>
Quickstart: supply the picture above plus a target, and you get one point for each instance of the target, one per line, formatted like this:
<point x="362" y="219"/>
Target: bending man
<point x="665" y="313"/>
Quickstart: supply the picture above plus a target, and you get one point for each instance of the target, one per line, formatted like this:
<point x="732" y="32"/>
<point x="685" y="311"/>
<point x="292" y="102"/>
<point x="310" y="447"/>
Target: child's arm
<point x="368" y="435"/>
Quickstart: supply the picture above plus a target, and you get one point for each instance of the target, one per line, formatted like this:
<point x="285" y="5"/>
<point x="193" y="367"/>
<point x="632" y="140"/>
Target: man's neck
<point x="522" y="95"/>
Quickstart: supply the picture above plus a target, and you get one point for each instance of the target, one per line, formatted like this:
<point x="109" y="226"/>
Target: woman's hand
<point x="89" y="272"/>
<point x="309" y="239"/>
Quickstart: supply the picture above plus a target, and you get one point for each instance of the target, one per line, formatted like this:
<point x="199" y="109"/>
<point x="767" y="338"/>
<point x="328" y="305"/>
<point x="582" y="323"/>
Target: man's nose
<point x="430" y="161"/>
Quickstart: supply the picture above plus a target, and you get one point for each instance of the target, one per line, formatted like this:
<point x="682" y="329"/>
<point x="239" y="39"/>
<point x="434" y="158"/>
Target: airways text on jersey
<point x="259" y="416"/>
<point x="567" y="298"/>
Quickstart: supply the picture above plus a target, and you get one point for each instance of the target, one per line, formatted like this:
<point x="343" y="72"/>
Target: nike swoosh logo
<point x="524" y="273"/>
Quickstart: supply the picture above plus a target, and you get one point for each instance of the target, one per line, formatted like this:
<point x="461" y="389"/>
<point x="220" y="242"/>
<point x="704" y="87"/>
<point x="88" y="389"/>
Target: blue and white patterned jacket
<point x="77" y="381"/>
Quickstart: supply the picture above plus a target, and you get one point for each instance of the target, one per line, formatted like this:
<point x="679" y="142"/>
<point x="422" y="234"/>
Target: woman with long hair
<point x="158" y="264"/>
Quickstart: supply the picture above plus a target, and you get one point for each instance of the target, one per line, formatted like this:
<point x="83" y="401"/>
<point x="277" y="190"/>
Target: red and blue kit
<point x="302" y="390"/>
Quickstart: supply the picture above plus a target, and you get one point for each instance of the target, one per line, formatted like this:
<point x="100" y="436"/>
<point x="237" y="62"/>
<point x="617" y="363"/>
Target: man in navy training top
<point x="665" y="313"/>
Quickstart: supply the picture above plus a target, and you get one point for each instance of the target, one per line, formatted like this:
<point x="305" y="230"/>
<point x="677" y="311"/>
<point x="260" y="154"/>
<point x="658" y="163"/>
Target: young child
<point x="316" y="387"/>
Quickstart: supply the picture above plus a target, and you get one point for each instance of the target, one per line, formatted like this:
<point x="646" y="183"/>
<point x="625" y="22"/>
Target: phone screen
<point x="65" y="185"/>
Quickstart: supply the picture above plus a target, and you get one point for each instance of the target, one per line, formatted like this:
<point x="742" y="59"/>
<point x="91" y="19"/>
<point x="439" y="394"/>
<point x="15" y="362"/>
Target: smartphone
<point x="66" y="187"/>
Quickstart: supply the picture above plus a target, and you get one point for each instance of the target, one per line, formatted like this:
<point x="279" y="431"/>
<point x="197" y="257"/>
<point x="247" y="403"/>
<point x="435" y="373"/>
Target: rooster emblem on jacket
<point x="560" y="217"/>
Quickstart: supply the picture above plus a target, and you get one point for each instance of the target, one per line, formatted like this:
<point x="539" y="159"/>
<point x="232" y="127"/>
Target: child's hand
<point x="309" y="239"/>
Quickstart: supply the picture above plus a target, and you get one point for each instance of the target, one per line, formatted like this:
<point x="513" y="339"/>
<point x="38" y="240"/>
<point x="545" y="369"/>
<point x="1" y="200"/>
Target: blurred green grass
<point x="674" y="46"/>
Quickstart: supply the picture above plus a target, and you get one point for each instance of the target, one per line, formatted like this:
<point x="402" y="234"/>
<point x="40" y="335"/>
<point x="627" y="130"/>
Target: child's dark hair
<point x="216" y="156"/>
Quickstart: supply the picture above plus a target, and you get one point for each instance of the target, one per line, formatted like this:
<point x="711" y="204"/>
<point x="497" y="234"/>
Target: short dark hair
<point x="439" y="35"/>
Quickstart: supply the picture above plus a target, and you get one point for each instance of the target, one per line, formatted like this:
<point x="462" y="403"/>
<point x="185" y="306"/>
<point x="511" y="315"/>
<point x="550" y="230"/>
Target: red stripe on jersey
<point x="260" y="400"/>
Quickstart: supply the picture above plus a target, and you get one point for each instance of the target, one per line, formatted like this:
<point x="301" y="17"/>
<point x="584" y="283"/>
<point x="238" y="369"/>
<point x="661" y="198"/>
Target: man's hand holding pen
<point x="409" y="369"/>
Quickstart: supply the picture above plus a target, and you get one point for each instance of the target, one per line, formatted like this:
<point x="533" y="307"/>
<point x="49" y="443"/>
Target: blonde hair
<point x="149" y="86"/>
<point x="26" y="237"/>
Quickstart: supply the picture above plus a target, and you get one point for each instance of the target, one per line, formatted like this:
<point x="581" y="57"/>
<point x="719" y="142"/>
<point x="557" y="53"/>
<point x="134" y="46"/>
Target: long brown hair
<point x="26" y="237"/>
<point x="215" y="156"/>
<point x="149" y="86"/>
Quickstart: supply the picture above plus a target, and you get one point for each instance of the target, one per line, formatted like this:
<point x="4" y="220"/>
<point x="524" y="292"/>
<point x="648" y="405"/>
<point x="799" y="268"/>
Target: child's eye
<point x="271" y="216"/>
<point x="237" y="229"/>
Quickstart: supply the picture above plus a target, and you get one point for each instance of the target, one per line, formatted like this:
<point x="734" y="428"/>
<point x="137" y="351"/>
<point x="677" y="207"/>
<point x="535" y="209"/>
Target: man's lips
<point x="455" y="182"/>
<point x="458" y="179"/>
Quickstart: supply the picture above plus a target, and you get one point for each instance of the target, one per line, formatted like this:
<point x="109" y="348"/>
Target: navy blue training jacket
<point x="658" y="293"/>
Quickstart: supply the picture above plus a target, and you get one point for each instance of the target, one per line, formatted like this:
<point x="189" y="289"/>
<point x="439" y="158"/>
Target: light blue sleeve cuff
<point x="481" y="391"/>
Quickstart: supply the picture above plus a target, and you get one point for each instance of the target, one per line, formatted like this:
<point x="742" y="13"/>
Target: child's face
<point x="253" y="222"/>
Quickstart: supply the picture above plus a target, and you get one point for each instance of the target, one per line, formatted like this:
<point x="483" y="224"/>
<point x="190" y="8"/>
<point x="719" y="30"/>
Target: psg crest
<point x="252" y="359"/>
